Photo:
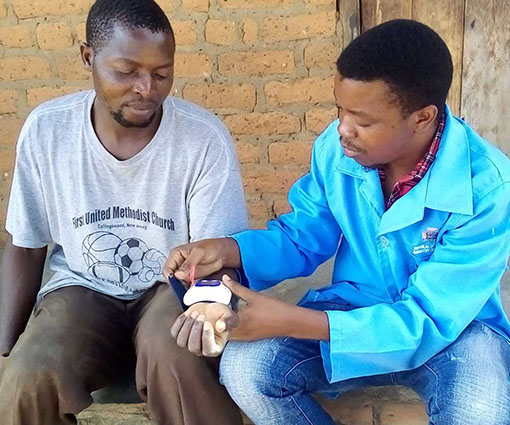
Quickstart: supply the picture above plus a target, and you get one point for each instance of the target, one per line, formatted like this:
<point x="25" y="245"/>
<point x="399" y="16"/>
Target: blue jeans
<point x="468" y="383"/>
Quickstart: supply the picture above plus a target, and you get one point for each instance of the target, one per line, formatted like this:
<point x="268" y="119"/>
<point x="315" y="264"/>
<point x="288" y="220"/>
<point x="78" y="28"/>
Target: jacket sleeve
<point x="295" y="243"/>
<point x="444" y="295"/>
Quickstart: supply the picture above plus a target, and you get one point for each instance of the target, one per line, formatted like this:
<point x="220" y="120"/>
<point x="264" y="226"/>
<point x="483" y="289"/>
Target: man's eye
<point x="161" y="77"/>
<point x="124" y="72"/>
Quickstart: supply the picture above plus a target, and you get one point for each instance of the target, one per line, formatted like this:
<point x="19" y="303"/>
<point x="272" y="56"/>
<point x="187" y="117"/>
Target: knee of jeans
<point x="248" y="370"/>
<point x="474" y="408"/>
<point x="474" y="388"/>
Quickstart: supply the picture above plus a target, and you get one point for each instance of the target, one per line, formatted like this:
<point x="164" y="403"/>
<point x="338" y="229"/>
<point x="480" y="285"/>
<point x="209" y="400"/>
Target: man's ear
<point x="424" y="118"/>
<point x="87" y="56"/>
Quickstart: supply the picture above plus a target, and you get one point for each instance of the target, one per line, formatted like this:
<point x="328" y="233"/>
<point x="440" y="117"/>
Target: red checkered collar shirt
<point x="406" y="183"/>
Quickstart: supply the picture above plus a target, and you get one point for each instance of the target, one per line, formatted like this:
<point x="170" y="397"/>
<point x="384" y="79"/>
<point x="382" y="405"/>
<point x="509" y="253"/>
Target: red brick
<point x="318" y="119"/>
<point x="281" y="206"/>
<point x="292" y="152"/>
<point x="250" y="31"/>
<point x="38" y="95"/>
<point x="220" y="32"/>
<point x="81" y="31"/>
<point x="71" y="68"/>
<point x="33" y="8"/>
<point x="248" y="153"/>
<point x="257" y="123"/>
<point x="192" y="65"/>
<point x="185" y="32"/>
<point x="7" y="159"/>
<point x="299" y="91"/>
<point x="16" y="36"/>
<point x="16" y="68"/>
<point x="246" y="4"/>
<point x="54" y="36"/>
<point x="9" y="131"/>
<point x="3" y="10"/>
<point x="322" y="56"/>
<point x="269" y="180"/>
<point x="300" y="27"/>
<point x="5" y="189"/>
<point x="238" y="96"/>
<point x="168" y="6"/>
<point x="330" y="2"/>
<point x="8" y="101"/>
<point x="256" y="63"/>
<point x="258" y="210"/>
<point x="196" y="5"/>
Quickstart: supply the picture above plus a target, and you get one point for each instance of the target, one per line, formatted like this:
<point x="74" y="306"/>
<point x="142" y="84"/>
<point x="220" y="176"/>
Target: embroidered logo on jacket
<point x="428" y="238"/>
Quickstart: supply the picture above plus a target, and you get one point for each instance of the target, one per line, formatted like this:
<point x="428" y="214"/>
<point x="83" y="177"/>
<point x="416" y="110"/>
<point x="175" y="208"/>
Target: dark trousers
<point x="78" y="342"/>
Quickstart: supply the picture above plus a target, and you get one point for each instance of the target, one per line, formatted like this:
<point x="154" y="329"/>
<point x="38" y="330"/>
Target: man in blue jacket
<point x="416" y="207"/>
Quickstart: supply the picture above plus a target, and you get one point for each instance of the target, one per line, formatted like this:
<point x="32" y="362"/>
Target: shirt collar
<point x="450" y="184"/>
<point x="447" y="184"/>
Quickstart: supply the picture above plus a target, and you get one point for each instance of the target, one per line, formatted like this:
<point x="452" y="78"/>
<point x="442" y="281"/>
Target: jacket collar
<point x="445" y="187"/>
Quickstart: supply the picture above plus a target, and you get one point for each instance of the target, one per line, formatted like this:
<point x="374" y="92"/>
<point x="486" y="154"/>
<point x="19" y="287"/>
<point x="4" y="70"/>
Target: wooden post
<point x="485" y="79"/>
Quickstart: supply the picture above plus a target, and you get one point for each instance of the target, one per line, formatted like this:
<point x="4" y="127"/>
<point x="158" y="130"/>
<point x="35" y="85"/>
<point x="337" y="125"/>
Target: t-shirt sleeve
<point x="216" y="203"/>
<point x="27" y="219"/>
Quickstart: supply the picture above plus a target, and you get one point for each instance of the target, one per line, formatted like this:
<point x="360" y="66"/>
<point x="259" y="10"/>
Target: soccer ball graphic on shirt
<point x="109" y="257"/>
<point x="130" y="254"/>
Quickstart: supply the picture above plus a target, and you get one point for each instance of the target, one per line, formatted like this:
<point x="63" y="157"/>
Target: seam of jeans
<point x="301" y="410"/>
<point x="292" y="368"/>
<point x="494" y="333"/>
<point x="436" y="396"/>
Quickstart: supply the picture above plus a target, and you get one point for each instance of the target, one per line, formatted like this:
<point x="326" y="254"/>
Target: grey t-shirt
<point x="114" y="222"/>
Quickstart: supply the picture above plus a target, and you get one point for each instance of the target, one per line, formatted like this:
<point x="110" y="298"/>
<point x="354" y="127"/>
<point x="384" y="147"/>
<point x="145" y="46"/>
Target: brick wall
<point x="264" y="66"/>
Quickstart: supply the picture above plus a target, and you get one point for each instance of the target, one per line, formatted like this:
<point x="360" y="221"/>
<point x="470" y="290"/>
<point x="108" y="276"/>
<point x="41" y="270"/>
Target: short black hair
<point x="104" y="14"/>
<point x="408" y="56"/>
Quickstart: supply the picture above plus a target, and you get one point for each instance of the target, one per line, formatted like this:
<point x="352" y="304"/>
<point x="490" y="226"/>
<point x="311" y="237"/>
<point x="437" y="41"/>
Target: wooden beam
<point x="374" y="12"/>
<point x="447" y="19"/>
<point x="350" y="20"/>
<point x="485" y="80"/>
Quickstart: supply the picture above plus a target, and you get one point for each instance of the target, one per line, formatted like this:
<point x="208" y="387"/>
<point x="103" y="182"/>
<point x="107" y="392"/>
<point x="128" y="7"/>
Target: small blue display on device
<point x="205" y="282"/>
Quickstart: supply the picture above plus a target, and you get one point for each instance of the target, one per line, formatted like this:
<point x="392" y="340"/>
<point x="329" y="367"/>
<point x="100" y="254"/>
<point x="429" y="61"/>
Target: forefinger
<point x="176" y="327"/>
<point x="209" y="346"/>
<point x="175" y="259"/>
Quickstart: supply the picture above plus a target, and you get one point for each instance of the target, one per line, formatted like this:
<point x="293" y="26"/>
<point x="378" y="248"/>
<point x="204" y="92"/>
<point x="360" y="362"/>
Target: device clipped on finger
<point x="208" y="290"/>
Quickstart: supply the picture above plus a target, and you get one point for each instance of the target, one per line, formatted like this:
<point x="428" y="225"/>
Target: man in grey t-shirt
<point x="114" y="178"/>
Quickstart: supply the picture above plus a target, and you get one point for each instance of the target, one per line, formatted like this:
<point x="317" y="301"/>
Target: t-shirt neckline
<point x="98" y="147"/>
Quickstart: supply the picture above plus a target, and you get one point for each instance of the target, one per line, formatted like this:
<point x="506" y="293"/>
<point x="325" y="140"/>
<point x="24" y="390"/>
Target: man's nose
<point x="346" y="130"/>
<point x="143" y="84"/>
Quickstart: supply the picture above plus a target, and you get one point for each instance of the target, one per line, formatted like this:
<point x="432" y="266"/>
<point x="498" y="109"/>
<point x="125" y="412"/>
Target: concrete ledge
<point x="386" y="406"/>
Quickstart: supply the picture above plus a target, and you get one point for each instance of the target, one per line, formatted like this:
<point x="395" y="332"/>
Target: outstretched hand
<point x="204" y="328"/>
<point x="262" y="316"/>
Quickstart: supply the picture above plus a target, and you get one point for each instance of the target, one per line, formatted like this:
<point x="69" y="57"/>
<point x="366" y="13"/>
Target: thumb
<point x="228" y="321"/>
<point x="237" y="289"/>
<point x="184" y="270"/>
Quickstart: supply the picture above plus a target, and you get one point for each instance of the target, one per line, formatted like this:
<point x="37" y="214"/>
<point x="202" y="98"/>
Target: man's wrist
<point x="305" y="323"/>
<point x="231" y="253"/>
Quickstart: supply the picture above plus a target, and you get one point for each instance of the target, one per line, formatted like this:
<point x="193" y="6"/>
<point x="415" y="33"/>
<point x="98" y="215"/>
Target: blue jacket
<point x="414" y="276"/>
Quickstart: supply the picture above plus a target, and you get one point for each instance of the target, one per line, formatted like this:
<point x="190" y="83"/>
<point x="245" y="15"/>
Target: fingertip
<point x="208" y="326"/>
<point x="180" y="274"/>
<point x="221" y="326"/>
